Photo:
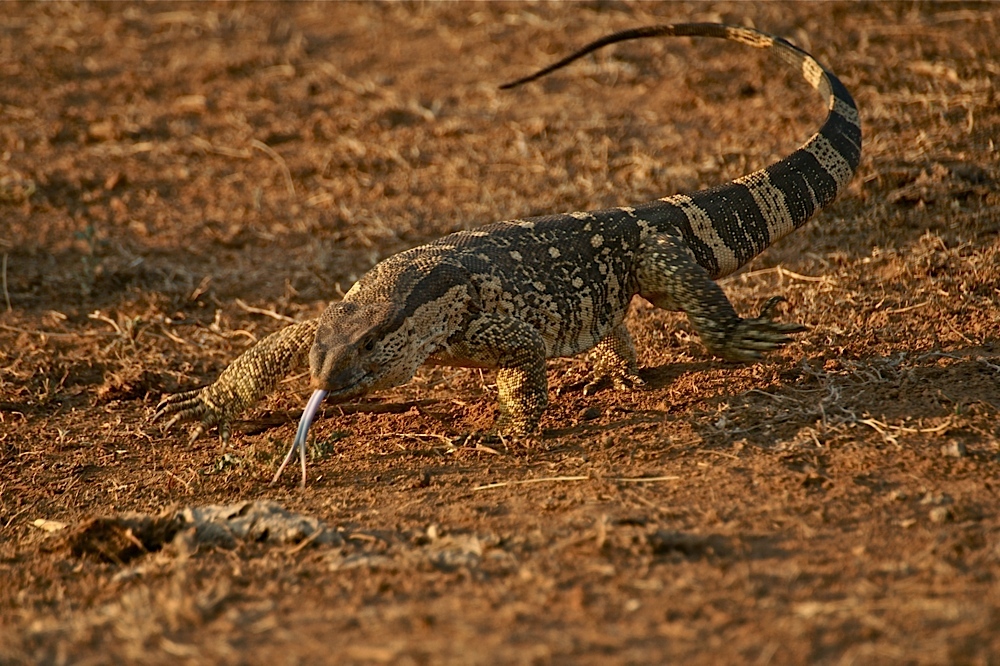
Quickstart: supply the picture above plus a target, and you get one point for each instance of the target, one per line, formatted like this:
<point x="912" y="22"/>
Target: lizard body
<point x="512" y="294"/>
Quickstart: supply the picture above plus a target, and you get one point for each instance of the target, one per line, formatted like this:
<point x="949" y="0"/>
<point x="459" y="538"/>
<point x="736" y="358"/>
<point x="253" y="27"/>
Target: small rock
<point x="48" y="525"/>
<point x="195" y="104"/>
<point x="936" y="500"/>
<point x="103" y="130"/>
<point x="954" y="449"/>
<point x="590" y="413"/>
<point x="940" y="514"/>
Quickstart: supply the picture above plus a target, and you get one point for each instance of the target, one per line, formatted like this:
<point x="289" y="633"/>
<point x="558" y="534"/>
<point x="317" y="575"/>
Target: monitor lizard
<point x="512" y="294"/>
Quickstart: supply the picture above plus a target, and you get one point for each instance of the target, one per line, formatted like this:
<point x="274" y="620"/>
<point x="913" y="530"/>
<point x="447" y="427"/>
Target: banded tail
<point x="728" y="225"/>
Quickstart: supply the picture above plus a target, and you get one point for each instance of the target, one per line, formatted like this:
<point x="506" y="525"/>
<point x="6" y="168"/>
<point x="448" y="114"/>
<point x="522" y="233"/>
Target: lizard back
<point x="570" y="281"/>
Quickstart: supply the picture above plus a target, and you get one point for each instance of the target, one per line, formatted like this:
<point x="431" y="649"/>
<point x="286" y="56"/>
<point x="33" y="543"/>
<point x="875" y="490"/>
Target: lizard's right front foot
<point x="189" y="406"/>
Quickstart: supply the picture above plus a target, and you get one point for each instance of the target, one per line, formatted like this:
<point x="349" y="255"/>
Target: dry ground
<point x="177" y="181"/>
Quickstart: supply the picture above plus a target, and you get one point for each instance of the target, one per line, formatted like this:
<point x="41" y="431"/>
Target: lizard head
<point x="360" y="347"/>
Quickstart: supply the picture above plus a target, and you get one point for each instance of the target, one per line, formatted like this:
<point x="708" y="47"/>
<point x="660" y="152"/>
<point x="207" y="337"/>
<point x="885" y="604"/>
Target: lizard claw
<point x="183" y="406"/>
<point x="751" y="337"/>
<point x="620" y="382"/>
<point x="189" y="406"/>
<point x="768" y="308"/>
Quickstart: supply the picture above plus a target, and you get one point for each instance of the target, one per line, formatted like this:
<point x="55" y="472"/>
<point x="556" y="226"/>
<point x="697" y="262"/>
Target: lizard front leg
<point x="249" y="378"/>
<point x="517" y="350"/>
<point x="670" y="278"/>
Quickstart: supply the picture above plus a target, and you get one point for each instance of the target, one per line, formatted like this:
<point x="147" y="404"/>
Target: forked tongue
<point x="301" y="434"/>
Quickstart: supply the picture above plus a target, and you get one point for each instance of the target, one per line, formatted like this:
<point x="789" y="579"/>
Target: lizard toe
<point x="191" y="406"/>
<point x="181" y="406"/>
<point x="769" y="305"/>
<point x="620" y="382"/>
<point x="751" y="337"/>
<point x="196" y="432"/>
<point x="627" y="382"/>
<point x="188" y="411"/>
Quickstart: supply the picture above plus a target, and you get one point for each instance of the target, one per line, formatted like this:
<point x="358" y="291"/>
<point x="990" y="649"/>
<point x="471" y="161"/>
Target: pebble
<point x="954" y="449"/>
<point x="940" y="514"/>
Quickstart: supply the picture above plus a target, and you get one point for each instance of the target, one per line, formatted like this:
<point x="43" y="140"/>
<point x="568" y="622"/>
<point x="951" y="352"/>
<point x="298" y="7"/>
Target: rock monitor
<point x="512" y="294"/>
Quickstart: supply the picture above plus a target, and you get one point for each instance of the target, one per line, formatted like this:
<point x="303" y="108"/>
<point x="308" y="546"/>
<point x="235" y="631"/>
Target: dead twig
<point x="305" y="542"/>
<point x="889" y="432"/>
<point x="273" y="154"/>
<point x="216" y="327"/>
<point x="176" y="338"/>
<point x="96" y="315"/>
<point x="782" y="272"/>
<point x="420" y="436"/>
<point x="907" y="309"/>
<point x="186" y="484"/>
<point x="225" y="151"/>
<point x="563" y="479"/>
<point x="994" y="366"/>
<point x="6" y="294"/>
<point x="15" y="329"/>
<point x="486" y="449"/>
<point x="642" y="479"/>
<point x="522" y="482"/>
<point x="423" y="435"/>
<point x="720" y="453"/>
<point x="776" y="398"/>
<point x="381" y="408"/>
<point x="240" y="303"/>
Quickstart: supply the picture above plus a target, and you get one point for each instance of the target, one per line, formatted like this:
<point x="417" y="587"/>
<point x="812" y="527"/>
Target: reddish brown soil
<point x="169" y="171"/>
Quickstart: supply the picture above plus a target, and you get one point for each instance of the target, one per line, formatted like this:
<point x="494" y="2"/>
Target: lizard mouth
<point x="346" y="385"/>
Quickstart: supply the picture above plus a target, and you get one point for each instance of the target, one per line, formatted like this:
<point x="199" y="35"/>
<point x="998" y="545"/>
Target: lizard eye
<point x="370" y="345"/>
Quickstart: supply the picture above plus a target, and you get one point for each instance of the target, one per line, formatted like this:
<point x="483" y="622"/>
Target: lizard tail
<point x="728" y="225"/>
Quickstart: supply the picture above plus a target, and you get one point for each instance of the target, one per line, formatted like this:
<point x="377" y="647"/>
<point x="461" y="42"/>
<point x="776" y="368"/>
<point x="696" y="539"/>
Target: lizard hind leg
<point x="614" y="358"/>
<point x="670" y="277"/>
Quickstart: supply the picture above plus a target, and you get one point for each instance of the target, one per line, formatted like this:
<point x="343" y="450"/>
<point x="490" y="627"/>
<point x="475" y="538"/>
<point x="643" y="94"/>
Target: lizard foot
<point x="749" y="339"/>
<point x="514" y="427"/>
<point x="614" y="358"/>
<point x="620" y="382"/>
<point x="189" y="406"/>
